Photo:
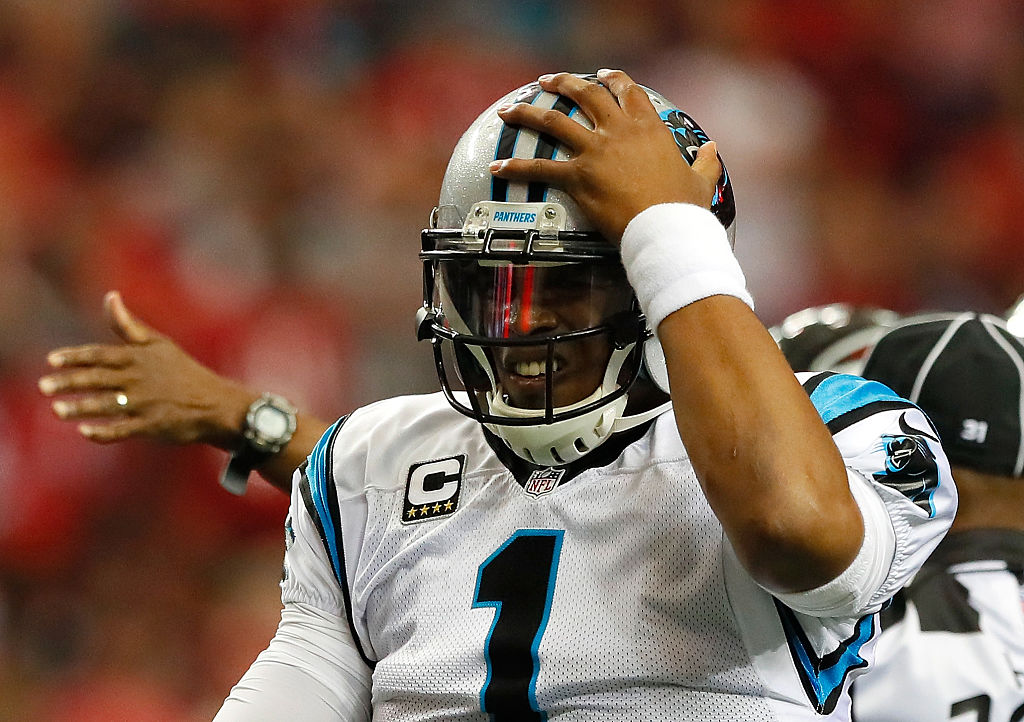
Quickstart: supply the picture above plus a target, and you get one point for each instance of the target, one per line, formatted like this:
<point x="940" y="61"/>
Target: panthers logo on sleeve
<point x="910" y="466"/>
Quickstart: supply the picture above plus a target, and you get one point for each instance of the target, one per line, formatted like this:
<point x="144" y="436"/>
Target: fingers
<point x="97" y="392"/>
<point x="81" y="380"/>
<point x="103" y="355"/>
<point x="706" y="164"/>
<point x="99" y="405"/>
<point x="114" y="431"/>
<point x="554" y="172"/>
<point x="614" y="95"/>
<point x="593" y="99"/>
<point x="632" y="98"/>
<point x="551" y="122"/>
<point x="122" y="322"/>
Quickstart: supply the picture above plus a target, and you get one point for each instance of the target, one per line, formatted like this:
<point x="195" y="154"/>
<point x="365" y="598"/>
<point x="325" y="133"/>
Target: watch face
<point x="270" y="423"/>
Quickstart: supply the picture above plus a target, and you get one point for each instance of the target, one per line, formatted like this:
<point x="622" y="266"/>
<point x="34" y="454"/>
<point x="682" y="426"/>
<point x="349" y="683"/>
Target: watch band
<point x="235" y="477"/>
<point x="258" y="444"/>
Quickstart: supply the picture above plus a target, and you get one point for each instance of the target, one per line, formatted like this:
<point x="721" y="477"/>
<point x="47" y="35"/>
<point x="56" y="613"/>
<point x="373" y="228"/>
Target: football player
<point x="552" y="535"/>
<point x="835" y="337"/>
<point x="952" y="646"/>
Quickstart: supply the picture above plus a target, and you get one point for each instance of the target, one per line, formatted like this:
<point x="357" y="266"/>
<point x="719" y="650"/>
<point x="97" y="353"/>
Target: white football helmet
<point x="527" y="305"/>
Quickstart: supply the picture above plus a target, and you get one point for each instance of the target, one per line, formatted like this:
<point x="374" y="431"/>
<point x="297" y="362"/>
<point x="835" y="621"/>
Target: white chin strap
<point x="570" y="439"/>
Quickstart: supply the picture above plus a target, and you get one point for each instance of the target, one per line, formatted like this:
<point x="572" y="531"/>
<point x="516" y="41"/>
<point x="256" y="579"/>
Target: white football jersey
<point x="953" y="641"/>
<point x="479" y="588"/>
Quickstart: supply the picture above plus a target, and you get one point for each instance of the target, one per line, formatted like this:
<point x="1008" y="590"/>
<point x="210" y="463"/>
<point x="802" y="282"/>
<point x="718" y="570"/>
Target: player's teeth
<point x="534" y="368"/>
<point x="531" y="368"/>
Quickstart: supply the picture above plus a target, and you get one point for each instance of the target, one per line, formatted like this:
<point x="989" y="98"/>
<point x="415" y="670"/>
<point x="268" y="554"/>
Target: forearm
<point x="764" y="458"/>
<point x="766" y="461"/>
<point x="227" y="403"/>
<point x="278" y="469"/>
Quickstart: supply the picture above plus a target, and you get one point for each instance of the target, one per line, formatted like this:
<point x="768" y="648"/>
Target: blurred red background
<point x="253" y="176"/>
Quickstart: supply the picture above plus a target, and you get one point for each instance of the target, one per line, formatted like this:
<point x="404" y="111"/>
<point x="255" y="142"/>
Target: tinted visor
<point x="507" y="300"/>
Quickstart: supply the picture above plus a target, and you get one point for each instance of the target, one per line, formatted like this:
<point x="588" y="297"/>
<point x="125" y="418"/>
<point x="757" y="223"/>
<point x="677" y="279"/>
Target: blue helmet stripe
<point x="546" y="148"/>
<point x="506" y="147"/>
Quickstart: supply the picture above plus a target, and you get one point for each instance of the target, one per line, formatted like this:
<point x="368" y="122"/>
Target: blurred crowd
<point x="253" y="175"/>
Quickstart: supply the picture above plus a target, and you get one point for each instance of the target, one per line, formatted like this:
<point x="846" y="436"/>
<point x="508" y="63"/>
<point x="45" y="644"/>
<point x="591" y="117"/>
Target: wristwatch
<point x="269" y="425"/>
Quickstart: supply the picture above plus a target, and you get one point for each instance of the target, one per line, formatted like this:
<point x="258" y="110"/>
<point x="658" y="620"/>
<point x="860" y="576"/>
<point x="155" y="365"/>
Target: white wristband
<point x="678" y="253"/>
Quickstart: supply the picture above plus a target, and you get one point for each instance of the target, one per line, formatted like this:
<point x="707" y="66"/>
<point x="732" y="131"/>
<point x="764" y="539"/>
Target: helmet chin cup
<point x="566" y="440"/>
<point x="561" y="442"/>
<point x="654" y="363"/>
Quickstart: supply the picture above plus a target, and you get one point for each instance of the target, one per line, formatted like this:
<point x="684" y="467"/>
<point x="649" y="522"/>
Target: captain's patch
<point x="433" y="489"/>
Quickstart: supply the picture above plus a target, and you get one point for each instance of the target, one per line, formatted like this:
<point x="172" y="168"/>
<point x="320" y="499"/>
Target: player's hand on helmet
<point x="146" y="386"/>
<point x="627" y="163"/>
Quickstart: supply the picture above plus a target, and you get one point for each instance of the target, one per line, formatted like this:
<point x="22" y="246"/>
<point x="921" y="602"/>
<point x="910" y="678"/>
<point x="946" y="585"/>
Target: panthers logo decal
<point x="689" y="137"/>
<point x="910" y="466"/>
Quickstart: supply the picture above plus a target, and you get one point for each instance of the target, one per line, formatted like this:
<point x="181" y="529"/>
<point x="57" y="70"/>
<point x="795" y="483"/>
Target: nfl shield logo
<point x="543" y="481"/>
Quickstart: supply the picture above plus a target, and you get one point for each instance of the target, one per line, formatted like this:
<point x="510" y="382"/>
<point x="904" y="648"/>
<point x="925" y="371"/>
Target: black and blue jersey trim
<point x="320" y="497"/>
<point x="823" y="678"/>
<point x="842" y="400"/>
<point x="307" y="500"/>
<point x="815" y="381"/>
<point x="324" y="498"/>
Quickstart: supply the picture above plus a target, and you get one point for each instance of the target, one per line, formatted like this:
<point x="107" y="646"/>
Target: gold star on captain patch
<point x="448" y="505"/>
<point x="436" y="508"/>
<point x="412" y="512"/>
<point x="424" y="509"/>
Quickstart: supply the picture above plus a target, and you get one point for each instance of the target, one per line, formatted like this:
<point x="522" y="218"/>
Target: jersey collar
<point x="603" y="455"/>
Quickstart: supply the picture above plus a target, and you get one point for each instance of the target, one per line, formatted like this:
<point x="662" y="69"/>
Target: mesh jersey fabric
<point x="640" y="609"/>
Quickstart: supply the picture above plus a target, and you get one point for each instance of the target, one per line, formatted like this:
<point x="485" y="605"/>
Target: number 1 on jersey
<point x="518" y="581"/>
